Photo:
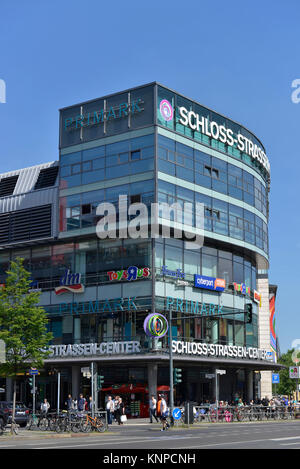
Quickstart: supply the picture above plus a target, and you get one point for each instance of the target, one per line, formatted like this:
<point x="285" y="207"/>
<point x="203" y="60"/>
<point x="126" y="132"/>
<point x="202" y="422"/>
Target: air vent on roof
<point x="24" y="225"/>
<point x="7" y="185"/>
<point x="47" y="177"/>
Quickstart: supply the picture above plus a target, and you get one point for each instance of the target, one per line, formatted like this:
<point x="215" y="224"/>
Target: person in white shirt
<point x="110" y="407"/>
<point x="163" y="413"/>
<point x="45" y="406"/>
<point x="152" y="409"/>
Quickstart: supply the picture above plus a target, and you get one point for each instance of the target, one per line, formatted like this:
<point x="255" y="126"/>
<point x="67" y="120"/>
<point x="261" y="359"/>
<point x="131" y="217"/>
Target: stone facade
<point x="264" y="334"/>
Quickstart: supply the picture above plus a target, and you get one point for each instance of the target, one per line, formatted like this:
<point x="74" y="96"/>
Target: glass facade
<point x="175" y="125"/>
<point x="131" y="156"/>
<point x="219" y="216"/>
<point x="213" y="173"/>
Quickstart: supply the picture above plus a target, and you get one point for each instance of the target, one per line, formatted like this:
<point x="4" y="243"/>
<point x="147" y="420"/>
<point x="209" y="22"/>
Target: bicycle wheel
<point x="1" y="426"/>
<point x="43" y="424"/>
<point x="86" y="426"/>
<point x="100" y="425"/>
<point x="52" y="423"/>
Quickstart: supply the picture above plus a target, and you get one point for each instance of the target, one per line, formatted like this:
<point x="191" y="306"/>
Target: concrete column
<point x="249" y="385"/>
<point x="9" y="389"/>
<point x="152" y="379"/>
<point x="75" y="381"/>
<point x="264" y="333"/>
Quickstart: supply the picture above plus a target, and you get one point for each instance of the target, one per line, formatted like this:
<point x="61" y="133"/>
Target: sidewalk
<point x="24" y="433"/>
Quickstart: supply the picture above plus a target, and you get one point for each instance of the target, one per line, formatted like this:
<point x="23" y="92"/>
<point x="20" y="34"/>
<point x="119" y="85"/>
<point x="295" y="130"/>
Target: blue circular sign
<point x="177" y="413"/>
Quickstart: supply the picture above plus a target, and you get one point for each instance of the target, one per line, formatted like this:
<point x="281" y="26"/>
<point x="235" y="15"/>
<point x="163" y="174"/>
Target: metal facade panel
<point x="27" y="177"/>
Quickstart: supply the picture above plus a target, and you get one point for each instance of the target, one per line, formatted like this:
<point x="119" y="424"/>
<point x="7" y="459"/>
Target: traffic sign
<point x="294" y="372"/>
<point x="177" y="413"/>
<point x="221" y="372"/>
<point x="210" y="375"/>
<point x="33" y="371"/>
<point x="275" y="378"/>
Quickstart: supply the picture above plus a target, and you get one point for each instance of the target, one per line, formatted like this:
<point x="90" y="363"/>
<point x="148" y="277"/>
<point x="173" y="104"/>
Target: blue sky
<point x="238" y="58"/>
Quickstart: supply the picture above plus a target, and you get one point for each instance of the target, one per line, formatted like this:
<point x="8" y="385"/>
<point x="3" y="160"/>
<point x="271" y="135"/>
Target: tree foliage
<point x="23" y="324"/>
<point x="286" y="385"/>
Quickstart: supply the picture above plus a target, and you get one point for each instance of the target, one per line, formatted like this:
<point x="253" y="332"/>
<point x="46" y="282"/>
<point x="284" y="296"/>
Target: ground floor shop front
<point x="136" y="379"/>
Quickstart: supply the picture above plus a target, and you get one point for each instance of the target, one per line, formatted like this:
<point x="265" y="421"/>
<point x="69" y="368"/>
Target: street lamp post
<point x="58" y="391"/>
<point x="171" y="367"/>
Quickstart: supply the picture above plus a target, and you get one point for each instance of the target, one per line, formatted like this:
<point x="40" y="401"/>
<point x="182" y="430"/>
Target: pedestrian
<point x="152" y="409"/>
<point x="109" y="409"/>
<point x="122" y="410"/>
<point x="81" y="403"/>
<point x="163" y="413"/>
<point x="91" y="404"/>
<point x="45" y="407"/>
<point x="70" y="403"/>
<point x="86" y="404"/>
<point x="119" y="409"/>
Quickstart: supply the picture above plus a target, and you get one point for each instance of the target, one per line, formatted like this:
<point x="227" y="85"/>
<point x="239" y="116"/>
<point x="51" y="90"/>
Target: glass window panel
<point x="141" y="166"/>
<point x="166" y="142"/>
<point x="142" y="187"/>
<point x="75" y="168"/>
<point x="235" y="192"/>
<point x="225" y="269"/>
<point x="173" y="257"/>
<point x="112" y="193"/>
<point x="121" y="170"/>
<point x="65" y="171"/>
<point x="87" y="166"/>
<point x="142" y="142"/>
<point x="112" y="160"/>
<point x="186" y="174"/>
<point x="239" y="332"/>
<point x="191" y="262"/>
<point x="203" y="180"/>
<point x="99" y="163"/>
<point x="202" y="157"/>
<point x="166" y="167"/>
<point x="70" y="158"/>
<point x="147" y="152"/>
<point x="119" y="147"/>
<point x="70" y="181"/>
<point x="238" y="272"/>
<point x="185" y="194"/>
<point x="209" y="265"/>
<point x="93" y="153"/>
<point x="93" y="176"/>
<point x="93" y="197"/>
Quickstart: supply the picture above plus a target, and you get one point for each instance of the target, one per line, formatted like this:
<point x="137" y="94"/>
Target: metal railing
<point x="227" y="414"/>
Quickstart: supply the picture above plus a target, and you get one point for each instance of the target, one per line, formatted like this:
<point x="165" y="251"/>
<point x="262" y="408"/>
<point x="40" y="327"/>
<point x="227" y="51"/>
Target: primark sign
<point x="100" y="116"/>
<point x="218" y="351"/>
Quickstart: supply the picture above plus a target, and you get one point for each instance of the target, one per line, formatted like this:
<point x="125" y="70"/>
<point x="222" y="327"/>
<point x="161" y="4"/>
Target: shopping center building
<point x="150" y="144"/>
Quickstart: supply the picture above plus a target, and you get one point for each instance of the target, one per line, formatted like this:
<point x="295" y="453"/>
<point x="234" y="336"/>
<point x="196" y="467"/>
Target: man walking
<point x="163" y="413"/>
<point x="81" y="403"/>
<point x="152" y="409"/>
<point x="109" y="409"/>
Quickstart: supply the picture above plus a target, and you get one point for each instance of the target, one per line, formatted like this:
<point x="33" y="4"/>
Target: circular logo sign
<point x="166" y="110"/>
<point x="156" y="325"/>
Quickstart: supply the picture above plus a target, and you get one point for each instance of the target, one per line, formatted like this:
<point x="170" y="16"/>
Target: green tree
<point x="286" y="385"/>
<point x="23" y="326"/>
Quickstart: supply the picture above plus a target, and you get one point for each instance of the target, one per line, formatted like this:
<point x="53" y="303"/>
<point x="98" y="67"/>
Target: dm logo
<point x="166" y="110"/>
<point x="156" y="325"/>
<point x="70" y="283"/>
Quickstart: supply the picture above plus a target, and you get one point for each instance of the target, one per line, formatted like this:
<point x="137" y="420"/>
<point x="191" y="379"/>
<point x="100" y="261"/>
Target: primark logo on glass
<point x="219" y="132"/>
<point x="209" y="283"/>
<point x="103" y="115"/>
